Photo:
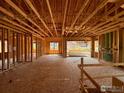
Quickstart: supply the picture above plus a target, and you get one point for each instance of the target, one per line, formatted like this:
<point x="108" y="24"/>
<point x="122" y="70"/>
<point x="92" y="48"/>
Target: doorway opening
<point x="78" y="48"/>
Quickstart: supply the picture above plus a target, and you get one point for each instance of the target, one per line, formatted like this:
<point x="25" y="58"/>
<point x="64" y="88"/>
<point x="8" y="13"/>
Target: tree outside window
<point x="54" y="46"/>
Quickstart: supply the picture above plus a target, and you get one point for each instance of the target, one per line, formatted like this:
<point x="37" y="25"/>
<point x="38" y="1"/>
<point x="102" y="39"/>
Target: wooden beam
<point x="111" y="28"/>
<point x="12" y="22"/>
<point x="11" y="28"/>
<point x="105" y="76"/>
<point x="79" y="13"/>
<point x="8" y="49"/>
<point x="3" y="49"/>
<point x="100" y="25"/>
<point x="108" y="12"/>
<point x="38" y="15"/>
<point x="25" y="46"/>
<point x="105" y="64"/>
<point x="24" y="15"/>
<point x="107" y="26"/>
<point x="12" y="16"/>
<point x="31" y="48"/>
<point x="104" y="2"/>
<point x="14" y="48"/>
<point x="50" y="11"/>
<point x="65" y="12"/>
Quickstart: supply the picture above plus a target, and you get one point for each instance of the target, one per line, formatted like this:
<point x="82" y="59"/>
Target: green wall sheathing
<point x="107" y="55"/>
<point x="107" y="40"/>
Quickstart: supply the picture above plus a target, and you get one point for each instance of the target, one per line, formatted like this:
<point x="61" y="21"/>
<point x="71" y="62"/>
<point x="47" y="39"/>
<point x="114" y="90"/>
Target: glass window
<point x="54" y="46"/>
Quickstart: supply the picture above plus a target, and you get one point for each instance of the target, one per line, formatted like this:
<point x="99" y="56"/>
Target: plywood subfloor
<point x="49" y="74"/>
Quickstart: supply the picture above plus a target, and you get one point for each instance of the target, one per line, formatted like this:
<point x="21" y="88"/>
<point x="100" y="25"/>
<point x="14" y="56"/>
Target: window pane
<point x="54" y="46"/>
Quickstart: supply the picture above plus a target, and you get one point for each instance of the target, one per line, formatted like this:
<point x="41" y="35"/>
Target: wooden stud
<point x="100" y="25"/>
<point x="94" y="12"/>
<point x="12" y="22"/>
<point x="65" y="12"/>
<point x="38" y="15"/>
<point x="14" y="48"/>
<point x="50" y="11"/>
<point x="31" y="48"/>
<point x="8" y="49"/>
<point x="23" y="14"/>
<point x="3" y="49"/>
<point x="92" y="46"/>
<point x="25" y="44"/>
<point x="79" y="13"/>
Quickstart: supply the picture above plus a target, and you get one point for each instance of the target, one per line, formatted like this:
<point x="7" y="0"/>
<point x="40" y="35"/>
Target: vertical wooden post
<point x="99" y="48"/>
<point x="3" y="49"/>
<point x="117" y="51"/>
<point x="22" y="46"/>
<point x="31" y="48"/>
<point x="8" y="51"/>
<point x="82" y="66"/>
<point x="92" y="46"/>
<point x="28" y="47"/>
<point x="64" y="47"/>
<point x="36" y="49"/>
<point x="17" y="47"/>
<point x="13" y="48"/>
<point x="25" y="40"/>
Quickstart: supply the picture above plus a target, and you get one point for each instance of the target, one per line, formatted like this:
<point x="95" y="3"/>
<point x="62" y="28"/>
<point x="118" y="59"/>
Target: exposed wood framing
<point x="8" y="49"/>
<point x="38" y="15"/>
<point x="12" y="16"/>
<point x="78" y="15"/>
<point x="3" y="49"/>
<point x="12" y="22"/>
<point x="23" y="14"/>
<point x="94" y="12"/>
<point x="100" y="25"/>
<point x="50" y="11"/>
<point x="64" y="19"/>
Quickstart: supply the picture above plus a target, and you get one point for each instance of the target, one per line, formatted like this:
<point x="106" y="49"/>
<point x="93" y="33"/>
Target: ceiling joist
<point x="38" y="15"/>
<point x="24" y="15"/>
<point x="51" y="15"/>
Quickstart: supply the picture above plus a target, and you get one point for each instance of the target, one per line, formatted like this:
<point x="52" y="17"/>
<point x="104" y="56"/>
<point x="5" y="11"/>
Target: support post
<point x="8" y="49"/>
<point x="92" y="46"/>
<point x="82" y="66"/>
<point x="25" y="40"/>
<point x="64" y="47"/>
<point x="14" y="48"/>
<point x="31" y="48"/>
<point x="36" y="48"/>
<point x="3" y="49"/>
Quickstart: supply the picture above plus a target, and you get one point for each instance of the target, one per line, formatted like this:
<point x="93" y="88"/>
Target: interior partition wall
<point x="37" y="48"/>
<point x="15" y="47"/>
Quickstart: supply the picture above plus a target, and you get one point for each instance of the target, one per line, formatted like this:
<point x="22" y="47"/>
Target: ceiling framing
<point x="68" y="18"/>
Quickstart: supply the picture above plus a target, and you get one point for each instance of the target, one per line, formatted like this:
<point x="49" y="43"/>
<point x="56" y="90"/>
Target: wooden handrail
<point x="108" y="64"/>
<point x="83" y="72"/>
<point x="89" y="77"/>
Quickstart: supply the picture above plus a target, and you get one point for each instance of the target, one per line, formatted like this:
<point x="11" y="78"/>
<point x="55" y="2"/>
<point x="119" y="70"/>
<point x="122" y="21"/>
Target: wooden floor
<point x="50" y="74"/>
